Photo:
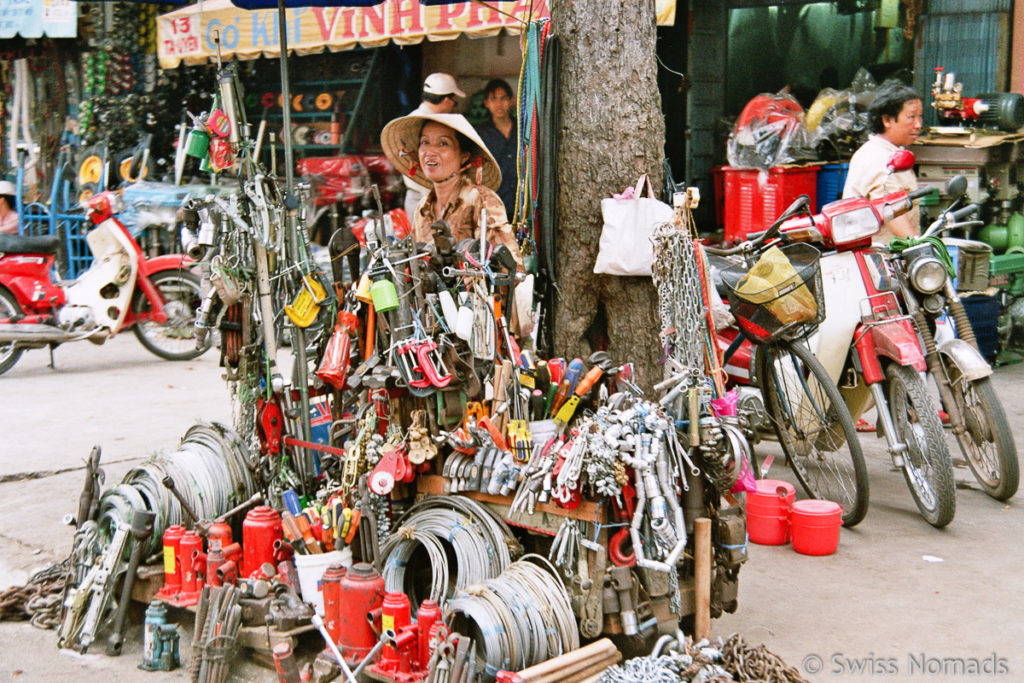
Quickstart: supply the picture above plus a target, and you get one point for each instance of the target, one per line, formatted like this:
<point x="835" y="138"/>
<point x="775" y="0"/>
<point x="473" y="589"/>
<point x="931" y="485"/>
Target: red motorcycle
<point x="867" y="345"/>
<point x="157" y="297"/>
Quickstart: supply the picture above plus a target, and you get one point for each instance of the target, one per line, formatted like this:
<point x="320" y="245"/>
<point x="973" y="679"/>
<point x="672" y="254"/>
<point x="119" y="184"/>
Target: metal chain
<point x="39" y="600"/>
<point x="749" y="663"/>
<point x="680" y="304"/>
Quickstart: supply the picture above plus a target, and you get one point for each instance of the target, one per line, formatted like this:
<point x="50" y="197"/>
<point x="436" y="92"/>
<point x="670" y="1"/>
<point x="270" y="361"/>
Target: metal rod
<point x="372" y="653"/>
<point x="318" y="622"/>
<point x="702" y="577"/>
<point x="286" y="96"/>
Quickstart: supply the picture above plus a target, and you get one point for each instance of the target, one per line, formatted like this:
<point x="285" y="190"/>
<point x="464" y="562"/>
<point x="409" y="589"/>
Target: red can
<point x="359" y="591"/>
<point x="172" y="563"/>
<point x="261" y="528"/>
<point x="429" y="614"/>
<point x="334" y="607"/>
<point x="397" y="613"/>
<point x="190" y="545"/>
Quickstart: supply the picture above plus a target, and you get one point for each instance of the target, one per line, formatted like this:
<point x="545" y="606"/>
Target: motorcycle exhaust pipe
<point x="37" y="334"/>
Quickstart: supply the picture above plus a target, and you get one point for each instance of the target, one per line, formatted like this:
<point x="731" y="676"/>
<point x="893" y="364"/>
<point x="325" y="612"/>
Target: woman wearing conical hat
<point x="445" y="153"/>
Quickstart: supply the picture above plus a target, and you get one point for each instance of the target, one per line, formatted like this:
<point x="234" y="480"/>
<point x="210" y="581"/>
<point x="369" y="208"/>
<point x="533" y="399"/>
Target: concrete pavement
<point x="898" y="601"/>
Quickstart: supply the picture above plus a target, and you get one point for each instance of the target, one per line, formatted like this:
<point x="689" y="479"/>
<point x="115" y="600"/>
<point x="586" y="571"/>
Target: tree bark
<point x="612" y="130"/>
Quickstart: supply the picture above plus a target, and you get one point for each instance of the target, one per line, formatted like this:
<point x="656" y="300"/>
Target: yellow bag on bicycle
<point x="775" y="283"/>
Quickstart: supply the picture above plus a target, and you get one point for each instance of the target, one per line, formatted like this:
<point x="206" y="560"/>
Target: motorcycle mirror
<point x="901" y="160"/>
<point x="956" y="187"/>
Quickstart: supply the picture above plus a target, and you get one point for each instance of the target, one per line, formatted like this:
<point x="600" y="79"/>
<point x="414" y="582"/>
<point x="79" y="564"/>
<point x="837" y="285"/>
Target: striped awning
<point x="190" y="34"/>
<point x="38" y="18"/>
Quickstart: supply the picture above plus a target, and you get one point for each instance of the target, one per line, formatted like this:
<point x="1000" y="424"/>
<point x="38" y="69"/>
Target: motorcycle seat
<point x="22" y="244"/>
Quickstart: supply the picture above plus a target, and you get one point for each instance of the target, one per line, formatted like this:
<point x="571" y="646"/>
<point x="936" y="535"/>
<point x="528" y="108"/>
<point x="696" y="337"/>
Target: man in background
<point x="895" y="123"/>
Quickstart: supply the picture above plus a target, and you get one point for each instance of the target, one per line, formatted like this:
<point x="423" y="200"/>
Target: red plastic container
<point x="768" y="512"/>
<point x="752" y="207"/>
<point x="814" y="525"/>
<point x="718" y="182"/>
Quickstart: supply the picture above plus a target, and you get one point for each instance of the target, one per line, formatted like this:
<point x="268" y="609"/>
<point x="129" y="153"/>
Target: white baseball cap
<point x="441" y="84"/>
<point x="8" y="188"/>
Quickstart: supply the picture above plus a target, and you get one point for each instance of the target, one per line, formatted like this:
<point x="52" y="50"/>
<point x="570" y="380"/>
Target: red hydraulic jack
<point x="182" y="583"/>
<point x="405" y="658"/>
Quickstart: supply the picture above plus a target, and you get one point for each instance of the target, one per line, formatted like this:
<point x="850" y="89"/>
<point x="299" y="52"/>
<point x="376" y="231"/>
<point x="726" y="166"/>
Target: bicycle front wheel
<point x="814" y="427"/>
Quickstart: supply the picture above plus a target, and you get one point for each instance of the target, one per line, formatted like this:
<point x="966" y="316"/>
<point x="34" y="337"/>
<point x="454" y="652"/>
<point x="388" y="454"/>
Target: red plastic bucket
<point x="768" y="512"/>
<point x="814" y="525"/>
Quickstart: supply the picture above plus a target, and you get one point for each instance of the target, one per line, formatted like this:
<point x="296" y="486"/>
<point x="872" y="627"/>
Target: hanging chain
<point x="680" y="305"/>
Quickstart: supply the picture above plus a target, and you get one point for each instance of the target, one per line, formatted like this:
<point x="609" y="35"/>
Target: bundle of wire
<point x="211" y="469"/>
<point x="522" y="617"/>
<point x="446" y="527"/>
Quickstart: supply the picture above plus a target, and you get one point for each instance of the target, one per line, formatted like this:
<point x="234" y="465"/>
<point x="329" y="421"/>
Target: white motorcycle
<point x="156" y="297"/>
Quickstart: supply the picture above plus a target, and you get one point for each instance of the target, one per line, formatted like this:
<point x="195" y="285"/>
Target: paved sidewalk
<point x="881" y="608"/>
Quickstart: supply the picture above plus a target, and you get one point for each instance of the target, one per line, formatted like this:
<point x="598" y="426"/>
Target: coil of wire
<point x="449" y="526"/>
<point x="211" y="468"/>
<point x="522" y="617"/>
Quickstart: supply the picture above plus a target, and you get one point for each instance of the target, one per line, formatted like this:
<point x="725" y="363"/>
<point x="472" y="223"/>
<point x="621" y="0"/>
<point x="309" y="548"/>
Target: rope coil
<point x="523" y="615"/>
<point x="211" y="469"/>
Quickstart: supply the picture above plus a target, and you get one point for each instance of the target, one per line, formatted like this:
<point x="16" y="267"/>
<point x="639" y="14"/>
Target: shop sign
<point x="193" y="33"/>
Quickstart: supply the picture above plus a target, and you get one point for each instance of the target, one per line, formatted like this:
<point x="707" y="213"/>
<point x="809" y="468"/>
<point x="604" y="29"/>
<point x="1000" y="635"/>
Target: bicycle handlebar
<point x="756" y="240"/>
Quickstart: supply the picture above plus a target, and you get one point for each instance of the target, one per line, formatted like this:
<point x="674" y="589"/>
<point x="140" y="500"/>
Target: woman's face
<point x="498" y="103"/>
<point x="439" y="153"/>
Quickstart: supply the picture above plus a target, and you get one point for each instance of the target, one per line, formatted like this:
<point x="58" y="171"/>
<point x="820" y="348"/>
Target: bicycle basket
<point x="780" y="297"/>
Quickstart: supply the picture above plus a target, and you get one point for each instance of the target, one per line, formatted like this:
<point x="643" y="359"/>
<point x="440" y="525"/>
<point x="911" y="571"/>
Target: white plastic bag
<point x="626" y="247"/>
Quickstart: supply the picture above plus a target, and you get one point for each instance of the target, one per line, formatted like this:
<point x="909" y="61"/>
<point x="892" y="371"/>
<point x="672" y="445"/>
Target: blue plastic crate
<point x="983" y="312"/>
<point x="831" y="178"/>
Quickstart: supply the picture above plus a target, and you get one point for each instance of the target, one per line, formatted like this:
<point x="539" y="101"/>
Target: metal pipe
<point x="702" y="577"/>
<point x="286" y="96"/>
<point x="373" y="651"/>
<point x="142" y="527"/>
<point x="896" y="447"/>
<point x="318" y="622"/>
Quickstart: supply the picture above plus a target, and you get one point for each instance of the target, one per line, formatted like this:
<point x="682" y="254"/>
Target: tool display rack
<point x="356" y="114"/>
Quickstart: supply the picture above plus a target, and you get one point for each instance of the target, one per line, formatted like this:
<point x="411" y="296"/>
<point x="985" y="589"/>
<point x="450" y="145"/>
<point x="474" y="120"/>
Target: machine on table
<point x="992" y="164"/>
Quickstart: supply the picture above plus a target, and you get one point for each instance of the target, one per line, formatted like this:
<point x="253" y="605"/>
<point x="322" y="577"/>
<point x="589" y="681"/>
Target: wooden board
<point x="547" y="517"/>
<point x="264" y="639"/>
<point x="978" y="139"/>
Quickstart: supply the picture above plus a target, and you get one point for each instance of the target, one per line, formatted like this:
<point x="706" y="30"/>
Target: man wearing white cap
<point x="8" y="208"/>
<point x="439" y="93"/>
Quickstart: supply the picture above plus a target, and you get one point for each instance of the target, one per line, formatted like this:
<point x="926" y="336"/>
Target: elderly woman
<point x="445" y="153"/>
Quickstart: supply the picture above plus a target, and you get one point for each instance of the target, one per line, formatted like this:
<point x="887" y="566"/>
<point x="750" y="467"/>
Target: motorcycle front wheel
<point x="814" y="427"/>
<point x="9" y="352"/>
<point x="176" y="338"/>
<point x="927" y="465"/>
<point x="986" y="440"/>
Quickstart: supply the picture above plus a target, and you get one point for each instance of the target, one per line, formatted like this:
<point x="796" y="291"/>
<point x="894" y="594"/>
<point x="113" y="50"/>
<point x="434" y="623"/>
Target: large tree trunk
<point x="612" y="130"/>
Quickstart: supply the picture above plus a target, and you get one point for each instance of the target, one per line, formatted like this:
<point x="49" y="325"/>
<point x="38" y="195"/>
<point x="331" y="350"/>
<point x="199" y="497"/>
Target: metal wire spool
<point x="211" y="469"/>
<point x="452" y="532"/>
<point x="521" y="617"/>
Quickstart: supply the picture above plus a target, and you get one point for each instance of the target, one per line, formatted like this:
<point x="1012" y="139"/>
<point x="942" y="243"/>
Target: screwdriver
<point x="543" y="377"/>
<point x="566" y="386"/>
<point x="293" y="533"/>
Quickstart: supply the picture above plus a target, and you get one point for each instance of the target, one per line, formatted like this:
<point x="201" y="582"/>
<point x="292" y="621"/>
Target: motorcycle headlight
<point x="854" y="225"/>
<point x="933" y="304"/>
<point x="927" y="275"/>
